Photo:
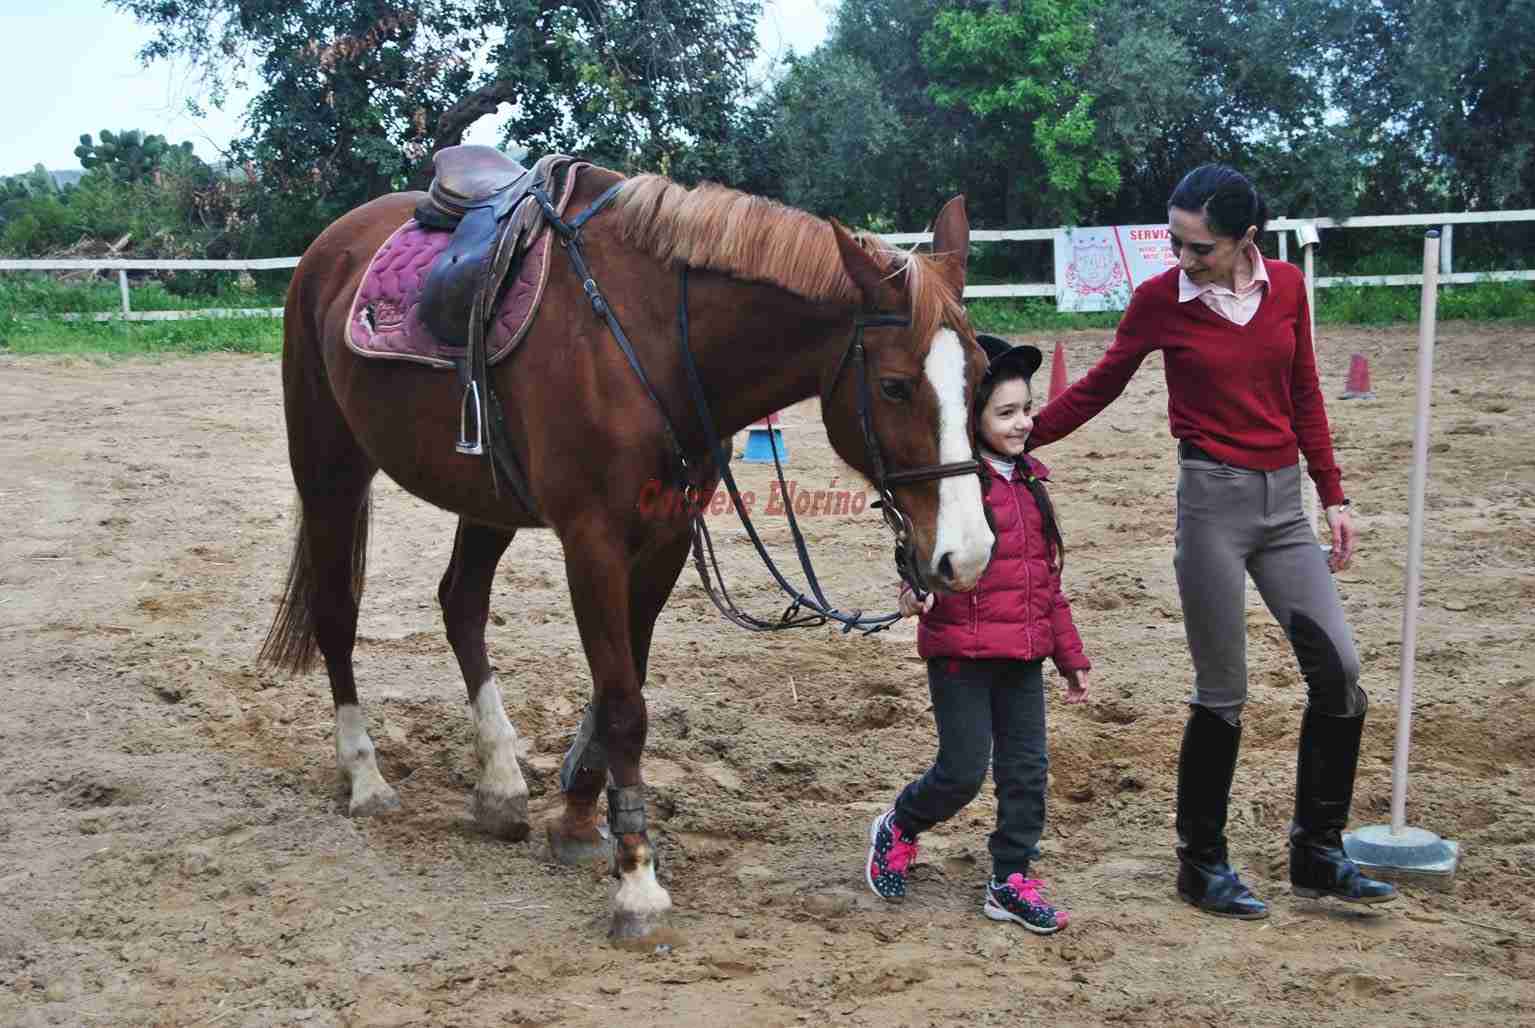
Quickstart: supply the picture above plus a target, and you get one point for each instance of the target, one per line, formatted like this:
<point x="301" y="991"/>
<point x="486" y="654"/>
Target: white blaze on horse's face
<point x="963" y="535"/>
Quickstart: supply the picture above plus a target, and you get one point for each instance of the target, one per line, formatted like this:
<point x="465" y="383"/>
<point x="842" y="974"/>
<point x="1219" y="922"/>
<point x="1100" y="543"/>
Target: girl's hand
<point x="1077" y="683"/>
<point x="909" y="604"/>
<point x="1344" y="538"/>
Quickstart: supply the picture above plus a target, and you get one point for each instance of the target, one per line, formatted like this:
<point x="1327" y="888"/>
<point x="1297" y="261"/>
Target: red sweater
<point x="1246" y="394"/>
<point x="1017" y="610"/>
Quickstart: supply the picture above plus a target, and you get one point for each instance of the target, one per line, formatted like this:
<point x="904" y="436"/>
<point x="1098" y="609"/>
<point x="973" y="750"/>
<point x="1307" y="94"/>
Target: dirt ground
<point x="174" y="848"/>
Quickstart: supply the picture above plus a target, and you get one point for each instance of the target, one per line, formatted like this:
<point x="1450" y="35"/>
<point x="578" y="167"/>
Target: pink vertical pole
<point x="1427" y="312"/>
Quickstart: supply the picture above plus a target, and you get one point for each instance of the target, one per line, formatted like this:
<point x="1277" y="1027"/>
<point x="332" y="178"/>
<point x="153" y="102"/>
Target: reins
<point x="803" y="611"/>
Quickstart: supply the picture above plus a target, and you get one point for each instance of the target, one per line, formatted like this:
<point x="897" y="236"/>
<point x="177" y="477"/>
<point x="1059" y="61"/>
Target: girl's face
<point x="1204" y="256"/>
<point x="1008" y="419"/>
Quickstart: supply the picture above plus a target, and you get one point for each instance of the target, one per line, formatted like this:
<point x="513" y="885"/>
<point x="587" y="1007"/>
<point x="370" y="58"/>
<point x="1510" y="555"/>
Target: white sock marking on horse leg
<point x="640" y="897"/>
<point x="495" y="742"/>
<point x="354" y="755"/>
<point x="501" y="797"/>
<point x="962" y="530"/>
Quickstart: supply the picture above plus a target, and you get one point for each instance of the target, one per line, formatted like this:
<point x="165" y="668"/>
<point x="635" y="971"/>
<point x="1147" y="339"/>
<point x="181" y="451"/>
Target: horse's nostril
<point x="946" y="568"/>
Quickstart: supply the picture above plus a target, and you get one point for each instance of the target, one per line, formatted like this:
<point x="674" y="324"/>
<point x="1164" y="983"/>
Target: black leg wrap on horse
<point x="586" y="753"/>
<point x="1324" y="790"/>
<point x="1206" y="766"/>
<point x="626" y="810"/>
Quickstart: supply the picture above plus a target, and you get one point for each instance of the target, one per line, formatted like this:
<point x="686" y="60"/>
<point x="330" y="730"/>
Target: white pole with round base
<point x="1396" y="852"/>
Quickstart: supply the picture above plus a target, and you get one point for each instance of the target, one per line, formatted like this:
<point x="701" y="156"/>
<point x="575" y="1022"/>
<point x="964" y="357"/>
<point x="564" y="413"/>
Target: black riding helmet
<point x="1000" y="354"/>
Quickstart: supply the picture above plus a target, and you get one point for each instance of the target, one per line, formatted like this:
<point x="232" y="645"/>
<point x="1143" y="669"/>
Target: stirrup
<point x="476" y="446"/>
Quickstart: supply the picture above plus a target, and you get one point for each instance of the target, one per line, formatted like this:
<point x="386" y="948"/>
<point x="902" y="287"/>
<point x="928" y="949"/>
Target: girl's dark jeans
<point x="989" y="712"/>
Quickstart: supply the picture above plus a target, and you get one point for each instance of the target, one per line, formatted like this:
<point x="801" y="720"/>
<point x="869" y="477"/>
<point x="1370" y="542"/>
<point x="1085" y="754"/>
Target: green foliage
<point x="128" y="156"/>
<point x="133" y="339"/>
<point x="829" y="104"/>
<point x="356" y="94"/>
<point x="1442" y="93"/>
<point x="40" y="293"/>
<point x="1386" y="305"/>
<point x="1020" y="69"/>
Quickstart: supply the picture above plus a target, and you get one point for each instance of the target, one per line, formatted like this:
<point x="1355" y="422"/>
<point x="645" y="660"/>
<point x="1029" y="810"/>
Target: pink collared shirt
<point x="1238" y="305"/>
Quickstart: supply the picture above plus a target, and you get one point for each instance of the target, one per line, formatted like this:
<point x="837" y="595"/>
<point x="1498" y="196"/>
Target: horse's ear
<point x="951" y="243"/>
<point x="864" y="270"/>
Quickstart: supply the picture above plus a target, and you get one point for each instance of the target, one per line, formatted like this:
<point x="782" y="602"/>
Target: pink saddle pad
<point x="385" y="319"/>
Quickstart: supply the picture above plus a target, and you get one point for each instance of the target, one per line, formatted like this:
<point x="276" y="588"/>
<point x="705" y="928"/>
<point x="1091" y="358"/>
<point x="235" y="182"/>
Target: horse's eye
<point x="895" y="389"/>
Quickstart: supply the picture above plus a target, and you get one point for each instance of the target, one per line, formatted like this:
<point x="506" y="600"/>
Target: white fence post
<point x="122" y="285"/>
<point x="1447" y="250"/>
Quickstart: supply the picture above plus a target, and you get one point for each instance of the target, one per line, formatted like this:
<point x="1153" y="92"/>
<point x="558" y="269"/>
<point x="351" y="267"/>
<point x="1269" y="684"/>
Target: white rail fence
<point x="1281" y="227"/>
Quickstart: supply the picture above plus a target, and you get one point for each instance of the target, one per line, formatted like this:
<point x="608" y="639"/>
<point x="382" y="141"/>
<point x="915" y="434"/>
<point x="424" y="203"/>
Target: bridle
<point x="884" y="481"/>
<point x="803" y="611"/>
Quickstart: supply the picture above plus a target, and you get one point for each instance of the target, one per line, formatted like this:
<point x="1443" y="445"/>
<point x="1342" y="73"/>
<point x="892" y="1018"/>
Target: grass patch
<point x="128" y="339"/>
<point x="1391" y="305"/>
<point x="40" y="293"/>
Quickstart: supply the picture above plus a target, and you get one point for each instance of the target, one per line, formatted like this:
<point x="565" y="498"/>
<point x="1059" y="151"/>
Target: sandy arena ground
<point x="174" y="849"/>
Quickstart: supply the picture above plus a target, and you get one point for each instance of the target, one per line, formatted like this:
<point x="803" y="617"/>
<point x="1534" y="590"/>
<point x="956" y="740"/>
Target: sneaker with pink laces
<point x="1018" y="899"/>
<point x="891" y="853"/>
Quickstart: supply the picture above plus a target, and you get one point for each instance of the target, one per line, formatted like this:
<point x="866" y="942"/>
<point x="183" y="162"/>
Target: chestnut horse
<point x="771" y="299"/>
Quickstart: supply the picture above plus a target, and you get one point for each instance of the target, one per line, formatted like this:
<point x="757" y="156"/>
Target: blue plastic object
<point x="759" y="448"/>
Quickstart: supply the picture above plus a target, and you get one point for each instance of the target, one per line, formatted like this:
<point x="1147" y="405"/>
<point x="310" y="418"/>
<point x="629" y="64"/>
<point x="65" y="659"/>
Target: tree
<point x="842" y="134"/>
<point x="356" y="94"/>
<point x="1443" y="95"/>
<point x="1020" y="69"/>
<point x="1180" y="83"/>
<point x="929" y="160"/>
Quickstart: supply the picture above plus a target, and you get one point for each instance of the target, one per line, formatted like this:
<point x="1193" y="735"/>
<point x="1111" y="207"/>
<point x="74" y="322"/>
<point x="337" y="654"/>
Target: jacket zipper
<point x="1028" y="585"/>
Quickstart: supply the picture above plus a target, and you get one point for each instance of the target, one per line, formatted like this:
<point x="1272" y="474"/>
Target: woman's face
<point x="1008" y="418"/>
<point x="1204" y="256"/>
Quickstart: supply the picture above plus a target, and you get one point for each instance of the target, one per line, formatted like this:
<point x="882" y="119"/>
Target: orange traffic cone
<point x="1058" y="382"/>
<point x="1358" y="385"/>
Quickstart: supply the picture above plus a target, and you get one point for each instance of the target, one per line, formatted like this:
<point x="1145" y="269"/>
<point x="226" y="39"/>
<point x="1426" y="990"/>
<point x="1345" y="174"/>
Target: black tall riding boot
<point x="1324" y="790"/>
<point x="1205" y="769"/>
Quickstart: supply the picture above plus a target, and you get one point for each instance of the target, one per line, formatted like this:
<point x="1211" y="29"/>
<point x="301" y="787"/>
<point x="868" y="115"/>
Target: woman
<point x="1244" y="403"/>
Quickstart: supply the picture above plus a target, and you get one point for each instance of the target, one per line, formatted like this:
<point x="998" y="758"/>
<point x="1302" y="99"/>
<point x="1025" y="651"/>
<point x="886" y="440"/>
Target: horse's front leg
<point x="500" y="804"/>
<point x="601" y="579"/>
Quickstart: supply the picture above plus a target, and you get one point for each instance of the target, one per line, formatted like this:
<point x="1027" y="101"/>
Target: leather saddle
<point x="485" y="199"/>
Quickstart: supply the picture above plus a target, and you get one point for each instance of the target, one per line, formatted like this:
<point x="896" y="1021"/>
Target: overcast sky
<point x="70" y="68"/>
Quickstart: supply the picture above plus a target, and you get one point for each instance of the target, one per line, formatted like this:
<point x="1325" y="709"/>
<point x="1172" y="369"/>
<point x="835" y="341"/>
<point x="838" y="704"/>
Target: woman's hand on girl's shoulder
<point x="1077" y="683"/>
<point x="910" y="605"/>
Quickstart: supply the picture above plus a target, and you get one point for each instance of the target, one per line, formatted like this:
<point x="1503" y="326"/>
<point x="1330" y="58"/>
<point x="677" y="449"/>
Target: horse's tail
<point x="330" y="470"/>
<point x="291" y="643"/>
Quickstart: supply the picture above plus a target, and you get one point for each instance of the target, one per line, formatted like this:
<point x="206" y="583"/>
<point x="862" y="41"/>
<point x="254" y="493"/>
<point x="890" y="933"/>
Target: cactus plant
<point x="128" y="156"/>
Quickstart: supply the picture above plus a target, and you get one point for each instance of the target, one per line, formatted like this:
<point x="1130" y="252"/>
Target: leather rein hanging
<point x="803" y="611"/>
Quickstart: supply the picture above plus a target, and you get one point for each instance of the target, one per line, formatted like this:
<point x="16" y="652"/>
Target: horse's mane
<point x="760" y="240"/>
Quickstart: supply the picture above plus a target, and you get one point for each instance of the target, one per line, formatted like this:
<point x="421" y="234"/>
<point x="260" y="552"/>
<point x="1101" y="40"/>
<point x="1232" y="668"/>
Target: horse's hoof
<point x="579" y="849"/>
<point x="503" y="815"/>
<point x="380" y="801"/>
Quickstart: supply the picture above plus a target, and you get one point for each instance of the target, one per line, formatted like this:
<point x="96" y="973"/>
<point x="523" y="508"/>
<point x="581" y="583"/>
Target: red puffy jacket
<point x="1016" y="610"/>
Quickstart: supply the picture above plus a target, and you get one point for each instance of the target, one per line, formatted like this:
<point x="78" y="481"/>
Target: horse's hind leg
<point x="501" y="797"/>
<point x="337" y="525"/>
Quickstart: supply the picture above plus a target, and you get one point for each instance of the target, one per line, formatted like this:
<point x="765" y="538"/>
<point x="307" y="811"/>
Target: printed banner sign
<point x="1096" y="269"/>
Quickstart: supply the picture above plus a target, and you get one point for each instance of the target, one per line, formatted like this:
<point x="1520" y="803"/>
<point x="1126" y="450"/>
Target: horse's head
<point x="897" y="405"/>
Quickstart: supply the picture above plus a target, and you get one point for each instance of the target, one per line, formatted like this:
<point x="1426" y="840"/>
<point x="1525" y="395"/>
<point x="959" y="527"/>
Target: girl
<point x="985" y="650"/>
<point x="1244" y="403"/>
